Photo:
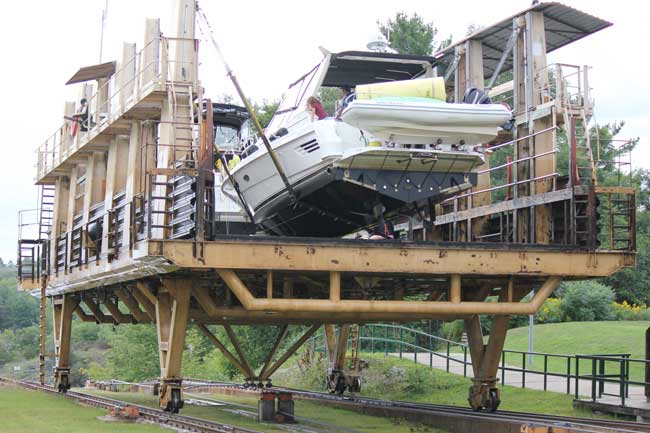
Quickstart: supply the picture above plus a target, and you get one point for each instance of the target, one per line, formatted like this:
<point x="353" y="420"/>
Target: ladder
<point x="181" y="100"/>
<point x="621" y="215"/>
<point x="46" y="211"/>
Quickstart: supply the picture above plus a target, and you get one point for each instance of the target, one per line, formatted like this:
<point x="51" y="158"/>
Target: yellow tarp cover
<point x="432" y="88"/>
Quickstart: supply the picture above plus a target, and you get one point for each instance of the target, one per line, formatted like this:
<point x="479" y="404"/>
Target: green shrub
<point x="550" y="312"/>
<point x="452" y="330"/>
<point x="625" y="311"/>
<point x="586" y="301"/>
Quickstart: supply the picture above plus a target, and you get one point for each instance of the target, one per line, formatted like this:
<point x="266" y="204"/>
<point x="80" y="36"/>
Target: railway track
<point x="453" y="418"/>
<point x="180" y="422"/>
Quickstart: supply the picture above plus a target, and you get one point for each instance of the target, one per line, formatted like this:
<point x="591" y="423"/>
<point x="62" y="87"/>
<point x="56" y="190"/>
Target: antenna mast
<point x="101" y="37"/>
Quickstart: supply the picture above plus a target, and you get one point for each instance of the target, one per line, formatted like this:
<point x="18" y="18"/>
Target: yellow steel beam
<point x="81" y="314"/>
<point x="278" y="342"/>
<point x="118" y="316"/>
<point x="133" y="306"/>
<point x="378" y="257"/>
<point x="242" y="356"/>
<point x="404" y="307"/>
<point x="236" y="362"/>
<point x="145" y="303"/>
<point x="220" y="314"/>
<point x="290" y="351"/>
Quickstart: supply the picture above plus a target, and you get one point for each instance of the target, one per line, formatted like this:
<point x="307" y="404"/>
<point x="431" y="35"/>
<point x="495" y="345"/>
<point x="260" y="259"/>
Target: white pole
<point x="101" y="37"/>
<point x="531" y="325"/>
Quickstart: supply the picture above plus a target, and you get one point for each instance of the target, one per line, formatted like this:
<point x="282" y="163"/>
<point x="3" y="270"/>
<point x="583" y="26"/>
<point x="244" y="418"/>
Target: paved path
<point x="514" y="378"/>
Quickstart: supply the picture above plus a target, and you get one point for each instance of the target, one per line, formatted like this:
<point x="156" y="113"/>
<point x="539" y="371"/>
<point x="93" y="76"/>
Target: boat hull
<point x="338" y="180"/>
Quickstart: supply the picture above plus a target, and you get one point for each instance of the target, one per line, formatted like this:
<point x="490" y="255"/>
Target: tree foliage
<point x="584" y="301"/>
<point x="411" y="34"/>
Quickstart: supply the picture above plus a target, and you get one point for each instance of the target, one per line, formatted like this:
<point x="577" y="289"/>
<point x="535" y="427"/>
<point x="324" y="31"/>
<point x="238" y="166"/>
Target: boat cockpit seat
<point x="474" y="95"/>
<point x="279" y="133"/>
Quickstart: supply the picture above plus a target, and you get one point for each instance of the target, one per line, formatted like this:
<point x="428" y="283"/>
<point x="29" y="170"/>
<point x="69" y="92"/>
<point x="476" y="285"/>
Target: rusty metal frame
<point x="455" y="307"/>
<point x="441" y="258"/>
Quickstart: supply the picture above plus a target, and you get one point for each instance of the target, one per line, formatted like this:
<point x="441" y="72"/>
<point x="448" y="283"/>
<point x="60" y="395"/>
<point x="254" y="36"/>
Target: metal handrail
<point x="393" y="339"/>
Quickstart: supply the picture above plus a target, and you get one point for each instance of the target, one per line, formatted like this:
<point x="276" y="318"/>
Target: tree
<point x="265" y="110"/>
<point x="585" y="301"/>
<point x="411" y="35"/>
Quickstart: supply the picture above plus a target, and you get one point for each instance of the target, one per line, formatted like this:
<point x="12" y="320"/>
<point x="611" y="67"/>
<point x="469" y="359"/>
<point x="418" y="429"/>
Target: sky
<point x="268" y="44"/>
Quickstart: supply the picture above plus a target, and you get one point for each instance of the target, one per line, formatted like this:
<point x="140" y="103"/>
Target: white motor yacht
<point x="340" y="169"/>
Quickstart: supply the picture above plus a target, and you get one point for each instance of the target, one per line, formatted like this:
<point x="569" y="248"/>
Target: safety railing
<point x="153" y="66"/>
<point x="592" y="376"/>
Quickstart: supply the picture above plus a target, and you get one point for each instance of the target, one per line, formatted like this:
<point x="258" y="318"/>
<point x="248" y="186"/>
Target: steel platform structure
<point x="128" y="236"/>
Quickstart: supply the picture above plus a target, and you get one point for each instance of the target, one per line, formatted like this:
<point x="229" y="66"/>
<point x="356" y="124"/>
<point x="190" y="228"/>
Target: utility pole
<point x="101" y="36"/>
<point x="531" y="336"/>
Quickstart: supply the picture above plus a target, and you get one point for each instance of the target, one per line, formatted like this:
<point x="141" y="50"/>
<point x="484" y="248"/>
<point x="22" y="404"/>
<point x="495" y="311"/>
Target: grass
<point x="399" y="379"/>
<point x="324" y="417"/>
<point x="588" y="338"/>
<point x="24" y="411"/>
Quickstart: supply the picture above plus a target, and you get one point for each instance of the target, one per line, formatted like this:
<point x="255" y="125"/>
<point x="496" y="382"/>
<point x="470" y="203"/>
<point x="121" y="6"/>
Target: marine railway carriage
<point x="126" y="215"/>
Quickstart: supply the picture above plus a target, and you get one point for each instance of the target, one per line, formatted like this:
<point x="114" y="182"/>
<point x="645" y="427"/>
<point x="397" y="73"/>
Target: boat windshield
<point x="226" y="137"/>
<point x="293" y="100"/>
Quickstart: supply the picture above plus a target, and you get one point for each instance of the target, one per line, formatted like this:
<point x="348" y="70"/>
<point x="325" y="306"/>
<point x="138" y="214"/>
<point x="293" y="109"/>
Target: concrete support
<point x="63" y="307"/>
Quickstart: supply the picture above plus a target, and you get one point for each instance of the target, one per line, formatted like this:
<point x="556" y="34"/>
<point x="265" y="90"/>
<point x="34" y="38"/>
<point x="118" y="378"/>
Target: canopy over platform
<point x="103" y="70"/>
<point x="350" y="68"/>
<point x="563" y="25"/>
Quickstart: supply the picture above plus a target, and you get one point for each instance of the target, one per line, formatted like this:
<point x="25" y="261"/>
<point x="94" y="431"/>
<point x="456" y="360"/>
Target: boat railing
<point x="149" y="69"/>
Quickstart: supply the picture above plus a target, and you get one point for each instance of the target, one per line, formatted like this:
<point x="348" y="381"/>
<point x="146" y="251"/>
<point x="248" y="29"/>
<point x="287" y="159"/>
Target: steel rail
<point x="158" y="416"/>
<point x="522" y="418"/>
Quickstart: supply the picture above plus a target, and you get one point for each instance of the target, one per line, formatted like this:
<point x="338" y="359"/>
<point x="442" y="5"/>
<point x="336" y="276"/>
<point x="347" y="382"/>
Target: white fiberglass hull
<point x="417" y="122"/>
<point x="338" y="179"/>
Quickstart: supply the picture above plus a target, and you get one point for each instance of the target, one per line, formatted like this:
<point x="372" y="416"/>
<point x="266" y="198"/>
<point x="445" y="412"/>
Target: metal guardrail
<point x="602" y="369"/>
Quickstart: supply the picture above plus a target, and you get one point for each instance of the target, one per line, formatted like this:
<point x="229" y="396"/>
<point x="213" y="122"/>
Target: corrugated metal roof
<point x="103" y="70"/>
<point x="563" y="25"/>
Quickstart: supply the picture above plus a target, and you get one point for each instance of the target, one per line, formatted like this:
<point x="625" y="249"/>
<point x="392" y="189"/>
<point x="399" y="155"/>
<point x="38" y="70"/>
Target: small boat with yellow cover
<point x="414" y="112"/>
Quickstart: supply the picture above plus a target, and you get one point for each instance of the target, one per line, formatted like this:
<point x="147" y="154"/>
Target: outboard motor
<point x="478" y="96"/>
